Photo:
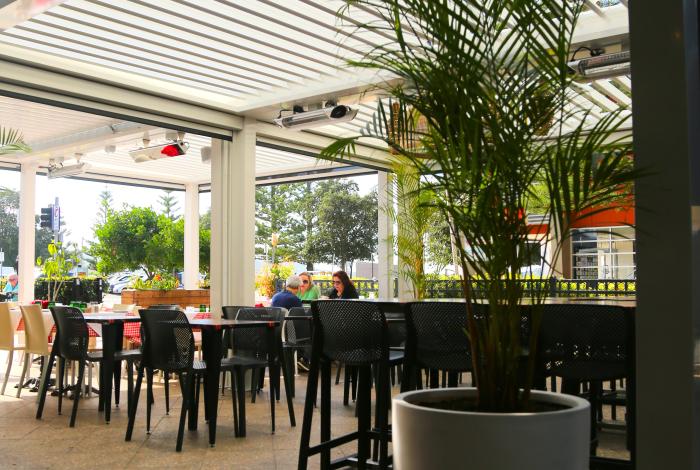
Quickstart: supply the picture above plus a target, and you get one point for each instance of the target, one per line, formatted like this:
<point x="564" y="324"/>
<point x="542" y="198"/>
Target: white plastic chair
<point x="36" y="342"/>
<point x="7" y="340"/>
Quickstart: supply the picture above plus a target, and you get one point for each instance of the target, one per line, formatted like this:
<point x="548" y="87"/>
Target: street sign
<point x="56" y="219"/>
<point x="2" y="256"/>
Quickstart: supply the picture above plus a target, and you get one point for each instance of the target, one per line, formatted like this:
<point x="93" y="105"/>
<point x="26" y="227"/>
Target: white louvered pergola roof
<point x="247" y="58"/>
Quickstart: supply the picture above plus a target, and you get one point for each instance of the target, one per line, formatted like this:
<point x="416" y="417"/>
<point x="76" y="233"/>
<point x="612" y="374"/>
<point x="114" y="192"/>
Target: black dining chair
<point x="354" y="333"/>
<point x="70" y="344"/>
<point x="251" y="349"/>
<point x="585" y="345"/>
<point x="297" y="339"/>
<point x="436" y="340"/>
<point x="167" y="345"/>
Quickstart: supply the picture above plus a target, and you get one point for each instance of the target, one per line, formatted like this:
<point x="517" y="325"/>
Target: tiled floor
<point x="49" y="443"/>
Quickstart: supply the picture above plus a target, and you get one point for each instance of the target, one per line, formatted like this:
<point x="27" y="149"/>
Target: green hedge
<point x="74" y="289"/>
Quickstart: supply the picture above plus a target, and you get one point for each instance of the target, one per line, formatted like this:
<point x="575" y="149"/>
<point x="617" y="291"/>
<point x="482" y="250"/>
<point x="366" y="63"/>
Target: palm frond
<point x="11" y="141"/>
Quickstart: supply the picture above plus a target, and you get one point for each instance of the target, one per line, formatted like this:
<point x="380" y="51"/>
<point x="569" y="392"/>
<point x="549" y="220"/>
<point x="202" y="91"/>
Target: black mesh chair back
<point x="438" y="338"/>
<point x="230" y="311"/>
<point x="574" y="336"/>
<point x="165" y="307"/>
<point x="298" y="332"/>
<point x="168" y="344"/>
<point x="254" y="341"/>
<point x="71" y="331"/>
<point x="351" y="332"/>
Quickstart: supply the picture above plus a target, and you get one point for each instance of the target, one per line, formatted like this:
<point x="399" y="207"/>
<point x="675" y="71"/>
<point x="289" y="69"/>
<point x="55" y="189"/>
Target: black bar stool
<point x="354" y="333"/>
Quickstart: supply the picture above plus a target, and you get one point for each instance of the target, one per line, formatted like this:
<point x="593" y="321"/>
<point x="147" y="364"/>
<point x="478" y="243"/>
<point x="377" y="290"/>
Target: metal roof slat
<point x="51" y="49"/>
<point x="109" y="58"/>
<point x="141" y="44"/>
<point x="207" y="36"/>
<point x="185" y="42"/>
<point x="218" y="26"/>
<point x="39" y="27"/>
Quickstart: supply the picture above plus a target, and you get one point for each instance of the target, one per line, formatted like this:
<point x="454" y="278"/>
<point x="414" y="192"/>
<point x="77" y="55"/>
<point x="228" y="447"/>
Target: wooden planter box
<point x="181" y="297"/>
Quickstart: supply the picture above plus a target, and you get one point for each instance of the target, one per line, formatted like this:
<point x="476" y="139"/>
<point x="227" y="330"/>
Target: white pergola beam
<point x="385" y="235"/>
<point x="594" y="27"/>
<point x="350" y="82"/>
<point x="84" y="141"/>
<point x="42" y="77"/>
<point x="27" y="232"/>
<point x="190" y="275"/>
<point x="310" y="142"/>
<point x="233" y="220"/>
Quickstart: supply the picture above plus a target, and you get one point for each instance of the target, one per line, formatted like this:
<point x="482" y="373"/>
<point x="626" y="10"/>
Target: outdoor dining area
<point x="192" y="368"/>
<point x="529" y="251"/>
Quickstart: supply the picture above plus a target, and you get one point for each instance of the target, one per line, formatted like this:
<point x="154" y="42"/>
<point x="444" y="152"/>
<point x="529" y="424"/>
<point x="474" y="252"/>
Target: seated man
<point x="11" y="289"/>
<point x="288" y="297"/>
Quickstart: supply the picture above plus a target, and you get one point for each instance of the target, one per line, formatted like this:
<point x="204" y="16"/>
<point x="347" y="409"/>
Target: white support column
<point x="191" y="264"/>
<point x="233" y="219"/>
<point x="385" y="245"/>
<point x="27" y="232"/>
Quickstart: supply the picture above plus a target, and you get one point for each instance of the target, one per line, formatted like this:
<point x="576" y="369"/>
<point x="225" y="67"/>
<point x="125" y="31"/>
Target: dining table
<point x="212" y="348"/>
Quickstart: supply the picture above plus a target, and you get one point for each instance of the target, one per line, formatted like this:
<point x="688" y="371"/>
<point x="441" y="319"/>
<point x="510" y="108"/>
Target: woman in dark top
<point x="343" y="288"/>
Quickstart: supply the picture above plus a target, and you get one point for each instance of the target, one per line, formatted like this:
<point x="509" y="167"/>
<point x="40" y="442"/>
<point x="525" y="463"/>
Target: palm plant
<point x="483" y="109"/>
<point x="11" y="141"/>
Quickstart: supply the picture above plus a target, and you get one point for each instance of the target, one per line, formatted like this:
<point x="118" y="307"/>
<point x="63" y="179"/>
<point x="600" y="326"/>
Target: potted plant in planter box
<point x="483" y="111"/>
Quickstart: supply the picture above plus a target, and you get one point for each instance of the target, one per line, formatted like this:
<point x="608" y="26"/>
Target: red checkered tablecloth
<point x="20" y="327"/>
<point x="132" y="330"/>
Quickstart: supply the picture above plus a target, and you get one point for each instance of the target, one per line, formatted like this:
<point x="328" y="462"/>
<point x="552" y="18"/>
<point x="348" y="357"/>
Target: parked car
<point x="119" y="283"/>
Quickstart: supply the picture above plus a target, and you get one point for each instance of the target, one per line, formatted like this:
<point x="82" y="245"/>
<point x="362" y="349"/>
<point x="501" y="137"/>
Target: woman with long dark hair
<point x="343" y="288"/>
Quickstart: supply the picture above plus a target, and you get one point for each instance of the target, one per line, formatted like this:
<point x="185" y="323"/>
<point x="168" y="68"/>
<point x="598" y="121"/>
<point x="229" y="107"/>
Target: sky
<point x="79" y="200"/>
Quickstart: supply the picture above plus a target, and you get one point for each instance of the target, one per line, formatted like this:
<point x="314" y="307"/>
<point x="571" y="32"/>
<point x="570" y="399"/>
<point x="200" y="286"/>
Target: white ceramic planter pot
<point x="427" y="438"/>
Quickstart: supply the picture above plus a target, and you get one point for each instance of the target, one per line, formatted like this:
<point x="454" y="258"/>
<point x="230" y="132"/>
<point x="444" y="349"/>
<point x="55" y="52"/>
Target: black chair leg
<point x="240" y="380"/>
<point x="45" y="387"/>
<point x="273" y="394"/>
<point x="346" y="385"/>
<point x="353" y="384"/>
<point x="185" y="387"/>
<point x="76" y="395"/>
<point x="166" y="384"/>
<point x="253" y="384"/>
<point x="326" y="413"/>
<point x="117" y="382"/>
<point x="286" y="375"/>
<point x="149" y="394"/>
<point x="337" y="373"/>
<point x="129" y="385"/>
<point x="135" y="403"/>
<point x="309" y="403"/>
<point x="61" y="371"/>
<point x="363" y="415"/>
<point x="234" y="401"/>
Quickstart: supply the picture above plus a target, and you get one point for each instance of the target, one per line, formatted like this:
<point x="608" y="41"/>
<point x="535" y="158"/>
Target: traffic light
<point x="46" y="217"/>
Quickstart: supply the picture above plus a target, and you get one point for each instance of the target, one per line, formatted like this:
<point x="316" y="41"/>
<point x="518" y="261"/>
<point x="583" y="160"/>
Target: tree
<point x="348" y="226"/>
<point x="275" y="213"/>
<point x="9" y="228"/>
<point x="137" y="237"/>
<point x="169" y="205"/>
<point x="105" y="207"/>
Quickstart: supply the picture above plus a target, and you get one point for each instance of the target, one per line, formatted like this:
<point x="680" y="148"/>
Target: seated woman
<point x="343" y="288"/>
<point x="308" y="291"/>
